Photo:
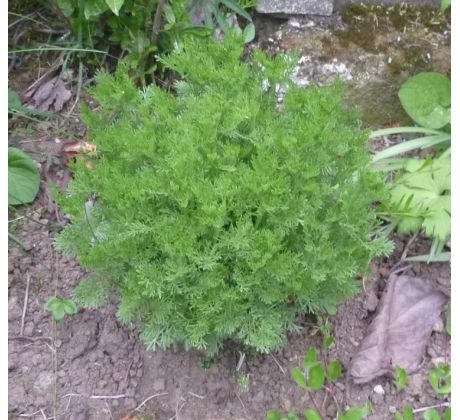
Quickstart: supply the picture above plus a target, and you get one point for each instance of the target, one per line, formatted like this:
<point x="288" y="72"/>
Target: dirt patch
<point x="91" y="367"/>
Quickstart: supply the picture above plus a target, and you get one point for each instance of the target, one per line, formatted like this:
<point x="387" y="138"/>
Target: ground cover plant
<point x="420" y="192"/>
<point x="212" y="213"/>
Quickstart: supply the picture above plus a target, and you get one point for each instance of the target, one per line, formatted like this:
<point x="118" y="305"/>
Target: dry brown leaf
<point x="399" y="333"/>
<point x="51" y="95"/>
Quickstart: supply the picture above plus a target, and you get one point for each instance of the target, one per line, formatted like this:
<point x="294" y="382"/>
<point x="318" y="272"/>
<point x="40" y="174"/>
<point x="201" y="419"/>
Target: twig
<point x="422" y="409"/>
<point x="201" y="397"/>
<point x="107" y="397"/>
<point x="408" y="245"/>
<point x="29" y="415"/>
<point x="79" y="85"/>
<point x="43" y="414"/>
<point x="24" y="309"/>
<point x="127" y="370"/>
<point x="108" y="408"/>
<point x="312" y="399"/>
<point x="240" y="361"/>
<point x="278" y="364"/>
<point x="149" y="398"/>
<point x="400" y="270"/>
<point x="23" y="337"/>
<point x="241" y="401"/>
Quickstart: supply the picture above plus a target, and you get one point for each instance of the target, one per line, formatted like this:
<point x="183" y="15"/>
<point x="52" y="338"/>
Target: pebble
<point x="371" y="302"/>
<point x="417" y="382"/>
<point x="392" y="409"/>
<point x="378" y="389"/>
<point x="159" y="385"/>
<point x="44" y="383"/>
<point x="438" y="325"/>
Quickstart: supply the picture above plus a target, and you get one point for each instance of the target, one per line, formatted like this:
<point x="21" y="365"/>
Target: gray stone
<point x="44" y="383"/>
<point x="296" y="7"/>
<point x="159" y="385"/>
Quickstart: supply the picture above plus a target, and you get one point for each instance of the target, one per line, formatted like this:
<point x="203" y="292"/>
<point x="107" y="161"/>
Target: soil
<point x="90" y="367"/>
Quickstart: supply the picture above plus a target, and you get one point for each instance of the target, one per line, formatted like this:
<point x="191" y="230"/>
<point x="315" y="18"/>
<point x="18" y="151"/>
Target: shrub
<point x="215" y="213"/>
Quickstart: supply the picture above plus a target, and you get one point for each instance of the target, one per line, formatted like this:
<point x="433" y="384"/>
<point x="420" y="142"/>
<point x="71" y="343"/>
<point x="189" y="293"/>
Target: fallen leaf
<point x="50" y="95"/>
<point x="399" y="333"/>
<point x="72" y="147"/>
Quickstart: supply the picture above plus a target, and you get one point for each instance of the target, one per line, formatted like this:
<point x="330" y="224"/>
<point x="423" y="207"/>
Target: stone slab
<point x="296" y="7"/>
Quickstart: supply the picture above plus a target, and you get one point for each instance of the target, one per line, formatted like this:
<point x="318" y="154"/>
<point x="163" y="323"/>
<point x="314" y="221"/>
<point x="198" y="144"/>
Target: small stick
<point x="24" y="309"/>
<point x="107" y="397"/>
<point x="148" y="399"/>
<point x="240" y="362"/>
<point x="278" y="364"/>
<point x="43" y="414"/>
<point x="127" y="370"/>
<point x="29" y="415"/>
<point x="400" y="270"/>
<point x="421" y="410"/>
<point x="241" y="401"/>
<point x="201" y="397"/>
<point x="23" y="337"/>
<point x="407" y="247"/>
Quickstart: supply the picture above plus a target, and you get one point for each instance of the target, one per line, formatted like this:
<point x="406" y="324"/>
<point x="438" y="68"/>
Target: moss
<point x="366" y="22"/>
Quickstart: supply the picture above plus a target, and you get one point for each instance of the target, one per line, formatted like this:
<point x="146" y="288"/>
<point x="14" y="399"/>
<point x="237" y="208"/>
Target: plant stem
<point x="312" y="399"/>
<point x="157" y="22"/>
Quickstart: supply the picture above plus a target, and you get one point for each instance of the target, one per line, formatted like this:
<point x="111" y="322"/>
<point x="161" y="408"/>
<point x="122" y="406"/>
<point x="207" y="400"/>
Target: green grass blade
<point x="399" y="130"/>
<point x="420" y="143"/>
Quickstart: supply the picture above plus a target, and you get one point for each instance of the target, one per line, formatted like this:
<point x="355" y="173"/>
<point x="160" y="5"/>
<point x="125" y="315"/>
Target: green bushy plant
<point x="213" y="212"/>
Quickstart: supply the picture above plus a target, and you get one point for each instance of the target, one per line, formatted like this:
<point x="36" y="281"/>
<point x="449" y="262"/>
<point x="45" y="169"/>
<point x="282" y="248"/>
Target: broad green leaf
<point x="334" y="370"/>
<point x="445" y="4"/>
<point x="447" y="414"/>
<point x="424" y="194"/>
<point x="169" y="14"/>
<point x="312" y="414"/>
<point x="426" y="99"/>
<point x="273" y="415"/>
<point x="328" y="342"/>
<point x="316" y="377"/>
<point x="431" y="414"/>
<point x="23" y="177"/>
<point x="70" y="307"/>
<point x="299" y="377"/>
<point x="14" y="102"/>
<point x="233" y="5"/>
<point x="115" y="5"/>
<point x="400" y="381"/>
<point x="354" y="413"/>
<point x="291" y="416"/>
<point x="249" y="33"/>
<point x="66" y="7"/>
<point x="367" y="409"/>
<point x="440" y="379"/>
<point x="408" y="414"/>
<point x="310" y="359"/>
<point x="95" y="8"/>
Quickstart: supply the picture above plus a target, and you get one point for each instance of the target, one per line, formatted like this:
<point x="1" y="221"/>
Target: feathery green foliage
<point x="219" y="213"/>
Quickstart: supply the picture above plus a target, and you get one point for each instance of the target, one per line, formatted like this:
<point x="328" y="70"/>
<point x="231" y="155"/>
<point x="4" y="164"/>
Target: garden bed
<point x="92" y="367"/>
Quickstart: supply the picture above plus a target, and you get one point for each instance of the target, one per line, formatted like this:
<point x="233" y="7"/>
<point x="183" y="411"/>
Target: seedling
<point x="400" y="381"/>
<point x="59" y="308"/>
<point x="440" y="379"/>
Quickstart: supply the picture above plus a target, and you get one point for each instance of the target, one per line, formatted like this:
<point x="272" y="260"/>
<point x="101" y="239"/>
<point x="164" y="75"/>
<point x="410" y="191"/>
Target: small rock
<point x="392" y="409"/>
<point x="371" y="302"/>
<point x="378" y="389"/>
<point x="296" y="7"/>
<point x="438" y="325"/>
<point x="44" y="383"/>
<point x="29" y="330"/>
<point x="384" y="272"/>
<point x="340" y="386"/>
<point x="159" y="385"/>
<point x="259" y="397"/>
<point x="139" y="373"/>
<point x="417" y="382"/>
